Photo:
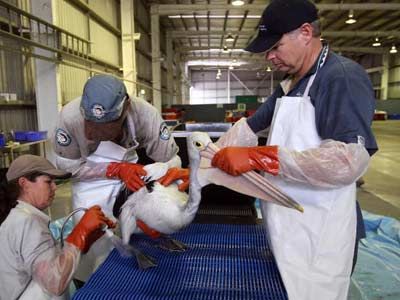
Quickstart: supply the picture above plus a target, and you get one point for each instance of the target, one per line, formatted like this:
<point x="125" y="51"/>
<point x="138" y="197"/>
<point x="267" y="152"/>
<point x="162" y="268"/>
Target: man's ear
<point x="306" y="32"/>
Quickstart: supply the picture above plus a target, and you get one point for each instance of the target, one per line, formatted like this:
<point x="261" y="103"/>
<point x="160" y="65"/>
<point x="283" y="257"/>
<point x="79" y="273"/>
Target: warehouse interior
<point x="186" y="58"/>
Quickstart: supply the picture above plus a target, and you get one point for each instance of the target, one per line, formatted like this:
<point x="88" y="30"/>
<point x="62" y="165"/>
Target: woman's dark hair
<point x="9" y="193"/>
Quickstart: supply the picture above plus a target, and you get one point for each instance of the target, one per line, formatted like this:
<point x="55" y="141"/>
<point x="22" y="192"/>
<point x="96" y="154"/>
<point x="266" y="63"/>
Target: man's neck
<point x="309" y="60"/>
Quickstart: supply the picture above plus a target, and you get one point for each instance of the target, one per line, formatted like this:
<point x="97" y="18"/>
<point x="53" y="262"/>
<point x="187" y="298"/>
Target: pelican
<point x="167" y="210"/>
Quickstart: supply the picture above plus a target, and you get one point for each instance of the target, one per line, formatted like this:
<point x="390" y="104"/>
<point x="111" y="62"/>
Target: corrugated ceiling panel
<point x="107" y="9"/>
<point x="72" y="82"/>
<point x="105" y="45"/>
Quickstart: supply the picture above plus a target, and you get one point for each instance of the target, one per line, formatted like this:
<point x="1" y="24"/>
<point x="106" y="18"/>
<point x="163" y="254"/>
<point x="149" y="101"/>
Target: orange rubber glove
<point x="238" y="160"/>
<point x="129" y="173"/>
<point x="154" y="234"/>
<point x="89" y="228"/>
<point x="174" y="174"/>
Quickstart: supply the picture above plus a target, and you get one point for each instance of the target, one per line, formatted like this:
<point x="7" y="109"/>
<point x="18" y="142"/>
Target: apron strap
<point x="321" y="62"/>
<point x="309" y="84"/>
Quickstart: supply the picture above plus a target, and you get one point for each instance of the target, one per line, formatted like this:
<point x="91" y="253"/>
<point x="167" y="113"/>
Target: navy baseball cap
<point x="280" y="17"/>
<point x="103" y="99"/>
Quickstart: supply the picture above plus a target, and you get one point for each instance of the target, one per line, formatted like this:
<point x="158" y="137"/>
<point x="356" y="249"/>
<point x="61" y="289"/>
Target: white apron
<point x="101" y="192"/>
<point x="313" y="250"/>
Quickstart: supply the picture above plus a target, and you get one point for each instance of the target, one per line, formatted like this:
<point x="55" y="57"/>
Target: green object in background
<point x="246" y="99"/>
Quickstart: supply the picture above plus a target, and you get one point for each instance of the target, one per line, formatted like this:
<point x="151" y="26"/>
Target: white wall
<point x="206" y="89"/>
<point x="394" y="77"/>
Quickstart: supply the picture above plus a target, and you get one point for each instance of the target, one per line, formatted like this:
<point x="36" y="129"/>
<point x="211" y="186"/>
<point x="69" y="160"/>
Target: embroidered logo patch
<point x="62" y="137"/>
<point x="360" y="140"/>
<point x="262" y="27"/>
<point x="98" y="111"/>
<point x="164" y="132"/>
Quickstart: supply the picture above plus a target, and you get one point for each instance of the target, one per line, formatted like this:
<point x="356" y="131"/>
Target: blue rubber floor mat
<point x="222" y="262"/>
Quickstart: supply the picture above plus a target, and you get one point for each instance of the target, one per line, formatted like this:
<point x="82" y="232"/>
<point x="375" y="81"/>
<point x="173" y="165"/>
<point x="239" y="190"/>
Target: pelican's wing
<point x="250" y="183"/>
<point x="127" y="219"/>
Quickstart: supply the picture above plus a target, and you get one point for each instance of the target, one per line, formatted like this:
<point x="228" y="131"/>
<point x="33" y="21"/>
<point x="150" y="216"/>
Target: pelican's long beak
<point x="250" y="183"/>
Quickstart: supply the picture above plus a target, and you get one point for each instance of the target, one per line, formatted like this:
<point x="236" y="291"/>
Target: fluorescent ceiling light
<point x="229" y="38"/>
<point x="217" y="50"/>
<point x="237" y="2"/>
<point x="215" y="62"/>
<point x="377" y="43"/>
<point x="268" y="69"/>
<point x="393" y="49"/>
<point x="351" y="19"/>
<point x="213" y="16"/>
<point x="231" y="67"/>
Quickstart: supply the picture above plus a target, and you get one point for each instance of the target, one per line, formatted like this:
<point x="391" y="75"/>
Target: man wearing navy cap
<point x="96" y="140"/>
<point x="320" y="136"/>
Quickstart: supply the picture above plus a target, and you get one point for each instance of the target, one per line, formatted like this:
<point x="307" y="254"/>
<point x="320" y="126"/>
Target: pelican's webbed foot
<point x="144" y="261"/>
<point x="170" y="244"/>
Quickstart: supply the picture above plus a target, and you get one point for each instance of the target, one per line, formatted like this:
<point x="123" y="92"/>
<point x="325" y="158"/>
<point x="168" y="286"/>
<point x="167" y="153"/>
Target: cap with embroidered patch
<point x="103" y="99"/>
<point x="280" y="17"/>
<point x="27" y="164"/>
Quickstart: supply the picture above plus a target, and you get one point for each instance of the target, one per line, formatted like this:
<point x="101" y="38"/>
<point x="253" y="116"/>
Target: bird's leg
<point x="165" y="242"/>
<point x="144" y="261"/>
<point x="154" y="234"/>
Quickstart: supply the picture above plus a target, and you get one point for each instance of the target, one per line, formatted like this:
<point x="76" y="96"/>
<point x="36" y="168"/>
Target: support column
<point x="128" y="45"/>
<point x="178" y="79"/>
<point x="228" y="85"/>
<point x="385" y="77"/>
<point x="155" y="54"/>
<point x="47" y="85"/>
<point x="170" y="70"/>
<point x="185" y="83"/>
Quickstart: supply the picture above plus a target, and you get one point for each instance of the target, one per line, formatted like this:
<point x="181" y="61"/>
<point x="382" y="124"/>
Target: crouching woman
<point x="33" y="265"/>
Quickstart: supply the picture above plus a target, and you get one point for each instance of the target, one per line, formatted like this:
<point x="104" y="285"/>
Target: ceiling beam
<point x="176" y="9"/>
<point x="370" y="50"/>
<point x="179" y="33"/>
<point x="355" y="33"/>
<point x="187" y="33"/>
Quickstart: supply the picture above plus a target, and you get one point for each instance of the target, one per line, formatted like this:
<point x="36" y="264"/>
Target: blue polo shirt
<point x="343" y="98"/>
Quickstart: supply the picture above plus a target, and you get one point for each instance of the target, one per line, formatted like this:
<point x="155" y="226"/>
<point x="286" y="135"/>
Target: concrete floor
<point x="380" y="194"/>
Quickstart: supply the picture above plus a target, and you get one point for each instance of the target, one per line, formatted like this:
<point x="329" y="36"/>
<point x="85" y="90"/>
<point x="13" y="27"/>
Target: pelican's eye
<point x="198" y="145"/>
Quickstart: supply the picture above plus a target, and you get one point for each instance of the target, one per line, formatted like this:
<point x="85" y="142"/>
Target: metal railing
<point x="19" y="24"/>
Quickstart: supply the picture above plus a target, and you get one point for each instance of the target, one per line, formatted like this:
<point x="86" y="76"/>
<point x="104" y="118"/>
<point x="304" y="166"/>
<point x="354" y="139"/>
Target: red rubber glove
<point x="174" y="174"/>
<point x="129" y="173"/>
<point x="89" y="228"/>
<point x="238" y="160"/>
